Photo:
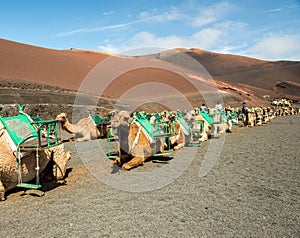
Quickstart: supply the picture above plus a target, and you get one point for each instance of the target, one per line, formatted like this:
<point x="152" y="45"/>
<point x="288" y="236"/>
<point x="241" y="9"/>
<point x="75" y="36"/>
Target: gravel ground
<point x="252" y="191"/>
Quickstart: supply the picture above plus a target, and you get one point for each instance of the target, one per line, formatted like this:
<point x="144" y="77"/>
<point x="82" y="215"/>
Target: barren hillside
<point x="47" y="80"/>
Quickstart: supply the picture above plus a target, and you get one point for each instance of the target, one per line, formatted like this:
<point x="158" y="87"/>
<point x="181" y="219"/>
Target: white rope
<point x="135" y="142"/>
<point x="19" y="167"/>
<point x="37" y="167"/>
<point x="150" y="139"/>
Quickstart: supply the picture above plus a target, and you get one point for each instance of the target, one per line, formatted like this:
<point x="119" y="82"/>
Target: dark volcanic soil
<point x="252" y="191"/>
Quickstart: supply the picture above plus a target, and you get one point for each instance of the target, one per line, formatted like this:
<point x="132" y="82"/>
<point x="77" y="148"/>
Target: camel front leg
<point x="2" y="192"/>
<point x="85" y="137"/>
<point x="135" y="162"/>
<point x="203" y="137"/>
<point x="179" y="146"/>
<point x="229" y="126"/>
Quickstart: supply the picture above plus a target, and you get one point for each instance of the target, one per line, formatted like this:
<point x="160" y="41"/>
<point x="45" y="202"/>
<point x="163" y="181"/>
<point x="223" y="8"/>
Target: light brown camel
<point x="249" y="118"/>
<point x="265" y="116"/>
<point x="258" y="116"/>
<point x="84" y="130"/>
<point x="134" y="148"/>
<point x="194" y="118"/>
<point x="220" y="124"/>
<point x="9" y="171"/>
<point x="178" y="138"/>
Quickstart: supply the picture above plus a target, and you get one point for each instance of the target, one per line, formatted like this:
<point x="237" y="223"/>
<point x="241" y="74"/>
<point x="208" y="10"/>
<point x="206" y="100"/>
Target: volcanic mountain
<point x="260" y="77"/>
<point x="49" y="81"/>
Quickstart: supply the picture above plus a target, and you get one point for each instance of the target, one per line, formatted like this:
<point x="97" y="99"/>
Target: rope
<point x="19" y="166"/>
<point x="37" y="167"/>
<point x="135" y="142"/>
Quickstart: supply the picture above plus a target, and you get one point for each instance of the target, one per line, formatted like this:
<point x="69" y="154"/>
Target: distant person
<point x="219" y="106"/>
<point x="203" y="107"/>
<point x="244" y="106"/>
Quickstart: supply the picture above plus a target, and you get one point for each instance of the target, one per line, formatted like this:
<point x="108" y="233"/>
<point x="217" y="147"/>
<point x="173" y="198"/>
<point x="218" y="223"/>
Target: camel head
<point x="190" y="115"/>
<point x="120" y="119"/>
<point x="62" y="117"/>
<point x="113" y="113"/>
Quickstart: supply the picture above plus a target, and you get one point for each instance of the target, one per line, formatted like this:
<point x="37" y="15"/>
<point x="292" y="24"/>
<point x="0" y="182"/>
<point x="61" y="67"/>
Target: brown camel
<point x="194" y="117"/>
<point x="9" y="170"/>
<point x="135" y="148"/>
<point x="84" y="130"/>
<point x="249" y="118"/>
<point x="178" y="138"/>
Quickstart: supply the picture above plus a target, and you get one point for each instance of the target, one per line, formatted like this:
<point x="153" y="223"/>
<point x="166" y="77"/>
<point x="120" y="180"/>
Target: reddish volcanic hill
<point x="63" y="68"/>
<point x="39" y="76"/>
<point x="261" y="77"/>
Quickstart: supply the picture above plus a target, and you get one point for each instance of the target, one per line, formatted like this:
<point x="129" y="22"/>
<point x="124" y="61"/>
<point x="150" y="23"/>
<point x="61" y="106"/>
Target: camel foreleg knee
<point x="179" y="146"/>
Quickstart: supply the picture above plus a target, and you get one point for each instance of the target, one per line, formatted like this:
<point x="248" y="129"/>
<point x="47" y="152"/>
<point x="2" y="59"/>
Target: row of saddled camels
<point x="136" y="145"/>
<point x="140" y="135"/>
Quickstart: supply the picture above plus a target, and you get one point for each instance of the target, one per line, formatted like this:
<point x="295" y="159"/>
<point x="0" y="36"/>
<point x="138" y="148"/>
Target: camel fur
<point x="249" y="118"/>
<point x="193" y="117"/>
<point x="9" y="171"/>
<point x="178" y="138"/>
<point x="84" y="130"/>
<point x="135" y="148"/>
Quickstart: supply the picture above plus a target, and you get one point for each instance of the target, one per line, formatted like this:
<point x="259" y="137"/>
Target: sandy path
<point x="252" y="191"/>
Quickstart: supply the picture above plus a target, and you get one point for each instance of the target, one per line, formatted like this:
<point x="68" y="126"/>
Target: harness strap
<point x="135" y="142"/>
<point x="151" y="140"/>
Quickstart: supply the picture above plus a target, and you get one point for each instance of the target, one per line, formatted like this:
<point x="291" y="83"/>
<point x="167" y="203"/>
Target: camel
<point x="297" y="110"/>
<point x="193" y="117"/>
<point x="265" y="115"/>
<point x="249" y="118"/>
<point x="258" y="116"/>
<point x="9" y="170"/>
<point x="220" y="124"/>
<point x="177" y="137"/>
<point x="84" y="130"/>
<point x="231" y="114"/>
<point x="135" y="148"/>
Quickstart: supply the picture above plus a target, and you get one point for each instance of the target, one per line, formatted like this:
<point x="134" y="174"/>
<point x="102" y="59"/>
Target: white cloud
<point x="144" y="14"/>
<point x="276" y="10"/>
<point x="171" y="15"/>
<point x="277" y="46"/>
<point x="108" y="48"/>
<point x="230" y="49"/>
<point x="211" y="14"/>
<point x="147" y="39"/>
<point x="203" y="20"/>
<point x="206" y="38"/>
<point x="231" y="26"/>
<point x="108" y="13"/>
<point x="95" y="29"/>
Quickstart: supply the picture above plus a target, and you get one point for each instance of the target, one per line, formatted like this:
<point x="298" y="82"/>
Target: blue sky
<point x="265" y="29"/>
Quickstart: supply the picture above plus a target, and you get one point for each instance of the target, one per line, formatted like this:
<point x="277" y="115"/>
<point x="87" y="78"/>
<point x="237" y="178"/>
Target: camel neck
<point x="68" y="127"/>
